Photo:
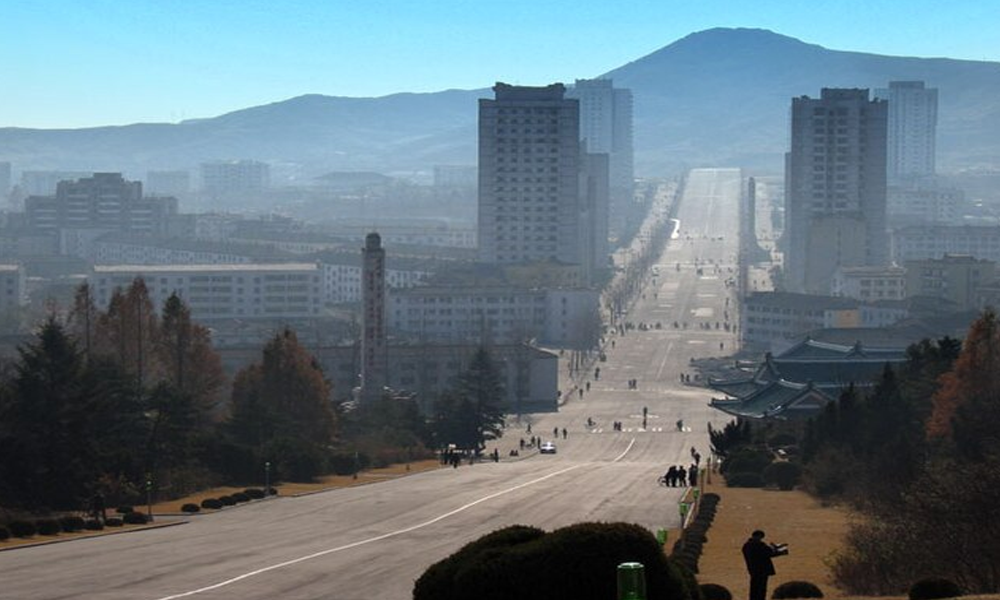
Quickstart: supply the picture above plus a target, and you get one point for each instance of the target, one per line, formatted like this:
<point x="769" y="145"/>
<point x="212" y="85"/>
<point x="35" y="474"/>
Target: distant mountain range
<point x="719" y="97"/>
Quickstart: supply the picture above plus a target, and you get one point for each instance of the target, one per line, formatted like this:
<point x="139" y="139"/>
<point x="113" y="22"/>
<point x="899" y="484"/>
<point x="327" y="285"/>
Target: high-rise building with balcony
<point x="835" y="187"/>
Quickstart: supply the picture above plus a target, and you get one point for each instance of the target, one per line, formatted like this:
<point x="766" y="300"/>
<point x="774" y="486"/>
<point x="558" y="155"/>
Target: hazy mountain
<point x="718" y="97"/>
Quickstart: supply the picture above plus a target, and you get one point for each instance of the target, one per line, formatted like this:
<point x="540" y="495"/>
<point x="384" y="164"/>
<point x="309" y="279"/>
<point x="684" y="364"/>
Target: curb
<point x="94" y="535"/>
<point x="360" y="483"/>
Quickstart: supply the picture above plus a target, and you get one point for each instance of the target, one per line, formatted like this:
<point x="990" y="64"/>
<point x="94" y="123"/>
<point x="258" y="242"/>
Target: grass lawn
<point x="812" y="531"/>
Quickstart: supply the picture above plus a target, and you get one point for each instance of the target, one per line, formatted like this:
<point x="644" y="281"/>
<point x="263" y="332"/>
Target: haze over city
<point x="476" y="300"/>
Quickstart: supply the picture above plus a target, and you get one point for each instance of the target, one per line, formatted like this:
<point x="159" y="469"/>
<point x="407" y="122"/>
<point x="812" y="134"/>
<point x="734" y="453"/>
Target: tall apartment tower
<point x="542" y="197"/>
<point x="835" y="187"/>
<point x="234" y="177"/>
<point x="912" y="142"/>
<point x="606" y="127"/>
<point x="374" y="345"/>
<point x="5" y="179"/>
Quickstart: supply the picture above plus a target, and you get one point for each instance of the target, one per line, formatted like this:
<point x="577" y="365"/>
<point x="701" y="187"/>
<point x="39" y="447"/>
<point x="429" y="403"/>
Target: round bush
<point x="784" y="475"/>
<point x="93" y="525"/>
<point x="254" y="493"/>
<point x="48" y="526"/>
<point x="934" y="588"/>
<point x="744" y="480"/>
<point x="227" y="500"/>
<point x="22" y="529"/>
<point x="113" y="522"/>
<point x="4" y="534"/>
<point x="240" y="497"/>
<point x="211" y="503"/>
<point x="272" y="491"/>
<point x="135" y="518"/>
<point x="190" y="508"/>
<point x="124" y="510"/>
<point x="747" y="460"/>
<point x="714" y="591"/>
<point x="796" y="589"/>
<point x="71" y="524"/>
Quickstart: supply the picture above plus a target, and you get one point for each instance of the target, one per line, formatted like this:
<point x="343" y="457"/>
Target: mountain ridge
<point x="714" y="97"/>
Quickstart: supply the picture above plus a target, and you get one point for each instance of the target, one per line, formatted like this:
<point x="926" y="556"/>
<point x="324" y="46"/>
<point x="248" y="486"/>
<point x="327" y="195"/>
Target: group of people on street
<point x="678" y="476"/>
<point x="633" y="384"/>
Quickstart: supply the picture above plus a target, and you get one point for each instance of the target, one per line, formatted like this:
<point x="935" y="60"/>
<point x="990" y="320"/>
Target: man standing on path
<point x="757" y="555"/>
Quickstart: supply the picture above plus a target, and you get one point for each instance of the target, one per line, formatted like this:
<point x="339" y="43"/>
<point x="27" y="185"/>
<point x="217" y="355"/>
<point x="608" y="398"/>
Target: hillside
<point x="717" y="97"/>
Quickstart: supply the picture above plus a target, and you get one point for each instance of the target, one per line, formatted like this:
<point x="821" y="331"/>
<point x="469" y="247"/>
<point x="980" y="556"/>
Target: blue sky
<point x="78" y="63"/>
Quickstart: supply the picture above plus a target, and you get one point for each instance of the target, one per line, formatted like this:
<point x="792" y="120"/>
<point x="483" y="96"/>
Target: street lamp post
<point x="149" y="497"/>
<point x="267" y="479"/>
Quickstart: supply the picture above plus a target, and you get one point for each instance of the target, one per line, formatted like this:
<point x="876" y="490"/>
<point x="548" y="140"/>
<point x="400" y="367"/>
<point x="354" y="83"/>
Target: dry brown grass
<point x="812" y="531"/>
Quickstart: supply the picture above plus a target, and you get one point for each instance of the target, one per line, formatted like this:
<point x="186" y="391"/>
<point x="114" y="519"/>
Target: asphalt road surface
<point x="373" y="541"/>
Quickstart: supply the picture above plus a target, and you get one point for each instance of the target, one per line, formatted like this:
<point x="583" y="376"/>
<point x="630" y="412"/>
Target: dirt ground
<point x="813" y="532"/>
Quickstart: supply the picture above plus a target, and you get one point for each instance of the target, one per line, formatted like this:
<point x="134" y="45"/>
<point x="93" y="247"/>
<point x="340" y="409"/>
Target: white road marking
<point x="666" y="355"/>
<point x="378" y="538"/>
<point x="617" y="458"/>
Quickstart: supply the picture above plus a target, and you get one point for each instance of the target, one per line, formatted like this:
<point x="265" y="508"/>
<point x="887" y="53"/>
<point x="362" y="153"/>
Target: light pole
<point x="149" y="497"/>
<point x="267" y="479"/>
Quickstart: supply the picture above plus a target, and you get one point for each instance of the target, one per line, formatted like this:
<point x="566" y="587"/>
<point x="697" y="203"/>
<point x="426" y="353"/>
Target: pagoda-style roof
<point x="782" y="400"/>
<point x="804" y="378"/>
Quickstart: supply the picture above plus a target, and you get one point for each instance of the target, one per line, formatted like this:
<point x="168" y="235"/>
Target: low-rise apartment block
<point x="869" y="283"/>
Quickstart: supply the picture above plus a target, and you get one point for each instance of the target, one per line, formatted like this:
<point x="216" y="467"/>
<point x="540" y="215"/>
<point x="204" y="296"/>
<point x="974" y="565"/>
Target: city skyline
<point x="157" y="64"/>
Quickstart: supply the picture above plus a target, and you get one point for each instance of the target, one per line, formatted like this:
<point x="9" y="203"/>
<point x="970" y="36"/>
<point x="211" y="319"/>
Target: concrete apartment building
<point x="606" y="128"/>
<point x="229" y="178"/>
<point x="6" y="175"/>
<point x="104" y="201"/>
<point x="912" y="129"/>
<point x="835" y="187"/>
<point x="935" y="241"/>
<point x="957" y="278"/>
<point x="44" y="183"/>
<point x="499" y="314"/>
<point x="538" y="201"/>
<point x="771" y="319"/>
<point x="243" y="291"/>
<point x="911" y="204"/>
<point x="13" y="291"/>
<point x="869" y="283"/>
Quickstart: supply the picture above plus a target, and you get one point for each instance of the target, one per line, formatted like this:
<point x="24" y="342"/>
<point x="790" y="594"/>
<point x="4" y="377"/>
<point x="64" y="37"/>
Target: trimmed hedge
<point x="71" y="523"/>
<point x="136" y="518"/>
<point x="933" y="588"/>
<point x="124" y="509"/>
<point x="4" y="534"/>
<point x="48" y="526"/>
<point x="211" y="503"/>
<point x="190" y="508"/>
<point x="796" y="589"/>
<point x="254" y="493"/>
<point x="93" y="525"/>
<point x="744" y="480"/>
<point x="578" y="561"/>
<point x="22" y="529"/>
<point x="784" y="475"/>
<point x="227" y="500"/>
<point x="113" y="522"/>
<point x="240" y="497"/>
<point x="714" y="591"/>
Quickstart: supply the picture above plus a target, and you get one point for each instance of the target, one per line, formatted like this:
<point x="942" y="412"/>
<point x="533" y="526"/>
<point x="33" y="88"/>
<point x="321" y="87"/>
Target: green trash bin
<point x="631" y="581"/>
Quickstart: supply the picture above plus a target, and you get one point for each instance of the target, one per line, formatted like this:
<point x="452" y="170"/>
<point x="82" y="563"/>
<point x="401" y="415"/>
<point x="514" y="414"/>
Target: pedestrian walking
<point x="672" y="476"/>
<point x="757" y="556"/>
<point x="564" y="433"/>
<point x="682" y="476"/>
<point x="693" y="475"/>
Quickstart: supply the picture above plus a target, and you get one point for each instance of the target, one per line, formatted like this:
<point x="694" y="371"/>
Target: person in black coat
<point x="758" y="555"/>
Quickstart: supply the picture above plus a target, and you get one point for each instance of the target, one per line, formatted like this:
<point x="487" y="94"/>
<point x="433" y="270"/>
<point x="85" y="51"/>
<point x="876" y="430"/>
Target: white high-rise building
<point x="835" y="188"/>
<point x="606" y="127"/>
<point x="168" y="183"/>
<point x="912" y="129"/>
<point x="234" y="177"/>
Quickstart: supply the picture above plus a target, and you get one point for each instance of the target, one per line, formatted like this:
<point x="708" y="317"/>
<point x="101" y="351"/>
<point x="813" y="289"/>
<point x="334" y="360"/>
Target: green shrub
<point x="254" y="493"/>
<point x="227" y="500"/>
<point x="746" y="460"/>
<point x="784" y="475"/>
<point x="211" y="503"/>
<point x="578" y="561"/>
<point x="22" y="529"/>
<point x="135" y="518"/>
<point x="71" y="523"/>
<point x="782" y="439"/>
<point x="796" y="589"/>
<point x="4" y="534"/>
<point x="714" y="591"/>
<point x="113" y="522"/>
<point x="934" y="588"/>
<point x="744" y="480"/>
<point x="93" y="525"/>
<point x="190" y="507"/>
<point x="124" y="510"/>
<point x="240" y="497"/>
<point x="48" y="526"/>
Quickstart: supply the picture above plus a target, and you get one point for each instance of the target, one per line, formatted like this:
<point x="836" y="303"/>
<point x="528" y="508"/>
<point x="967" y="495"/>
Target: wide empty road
<point x="374" y="541"/>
